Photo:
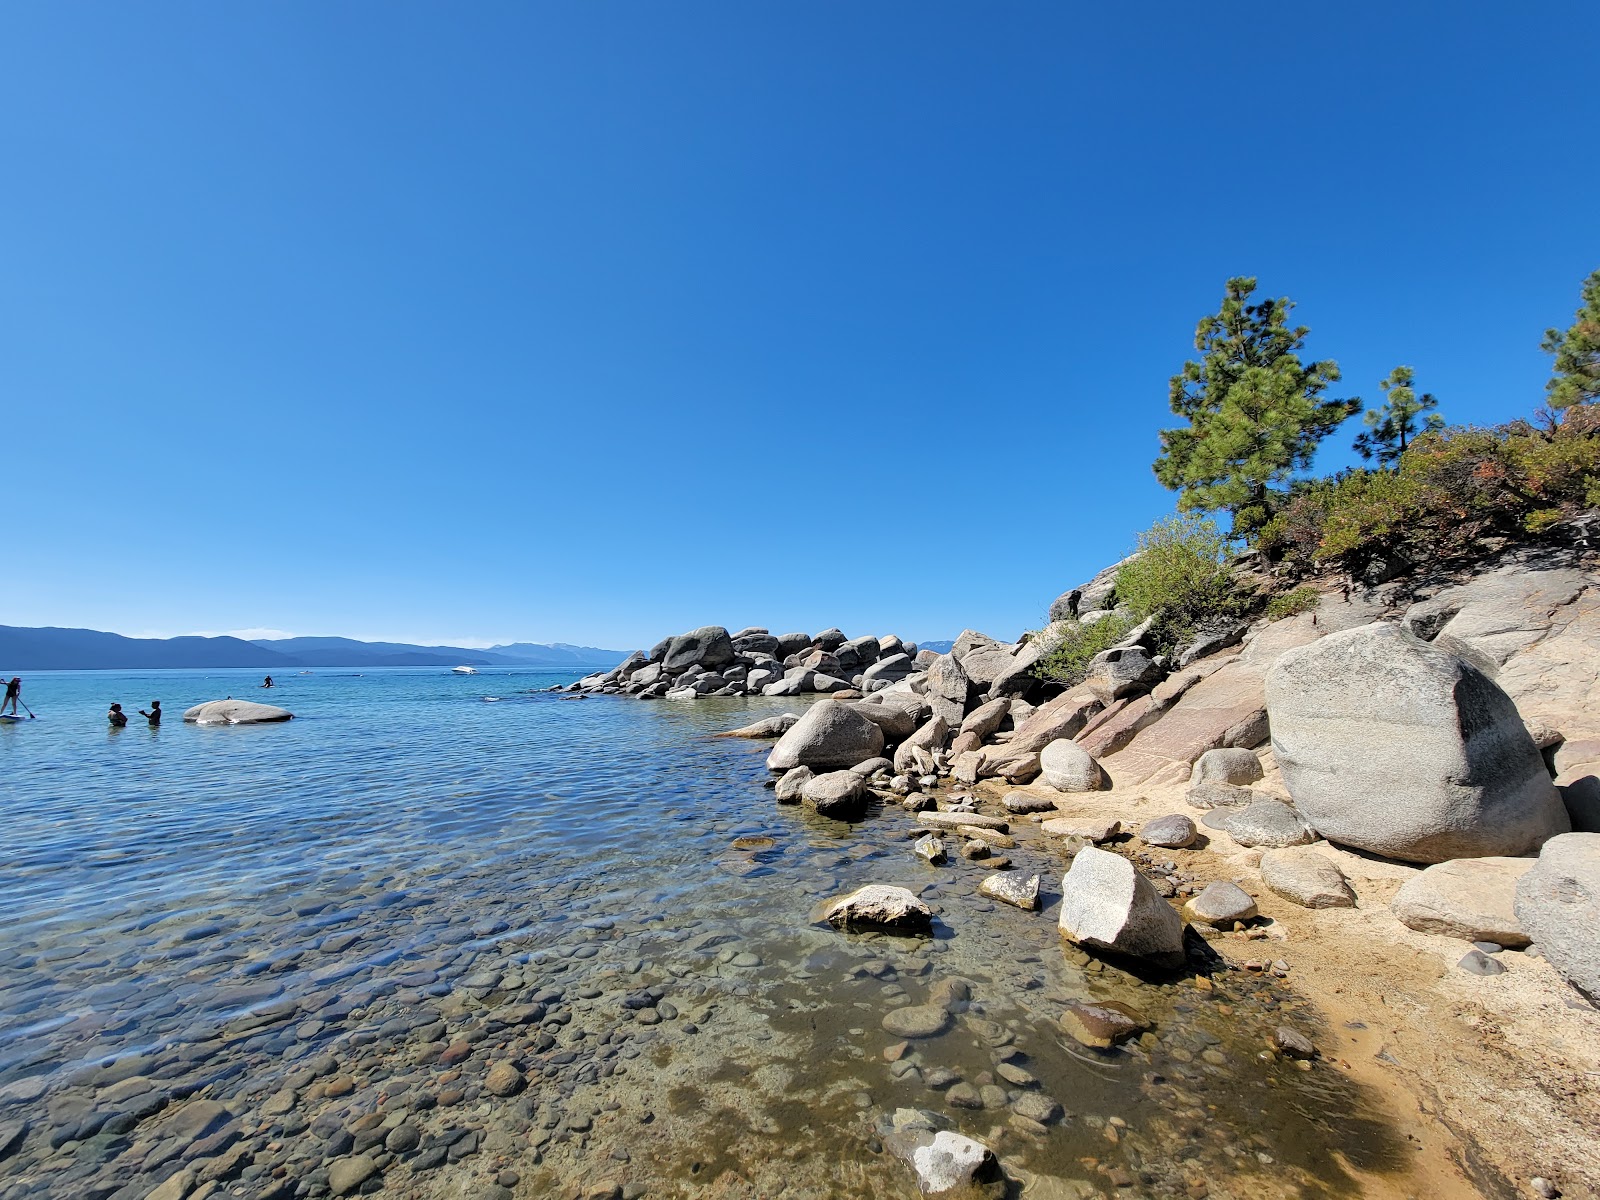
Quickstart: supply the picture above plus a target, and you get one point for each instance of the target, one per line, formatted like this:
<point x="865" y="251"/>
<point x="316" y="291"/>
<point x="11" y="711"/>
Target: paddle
<point x="24" y="704"/>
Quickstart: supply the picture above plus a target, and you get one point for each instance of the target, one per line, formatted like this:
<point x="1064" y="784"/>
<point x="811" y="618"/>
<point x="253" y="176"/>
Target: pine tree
<point x="1254" y="411"/>
<point x="1394" y="425"/>
<point x="1576" y="374"/>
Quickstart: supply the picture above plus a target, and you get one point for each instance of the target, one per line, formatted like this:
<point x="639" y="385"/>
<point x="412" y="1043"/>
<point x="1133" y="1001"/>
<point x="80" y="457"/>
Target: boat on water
<point x="463" y="670"/>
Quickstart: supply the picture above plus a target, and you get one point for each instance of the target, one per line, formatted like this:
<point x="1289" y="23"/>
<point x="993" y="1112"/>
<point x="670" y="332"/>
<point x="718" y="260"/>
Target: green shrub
<point x="1292" y="604"/>
<point x="1068" y="658"/>
<point x="1181" y="577"/>
<point x="1451" y="490"/>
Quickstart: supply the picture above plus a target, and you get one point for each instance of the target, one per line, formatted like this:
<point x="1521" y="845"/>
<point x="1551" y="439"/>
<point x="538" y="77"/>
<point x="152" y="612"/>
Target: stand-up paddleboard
<point x="9" y="718"/>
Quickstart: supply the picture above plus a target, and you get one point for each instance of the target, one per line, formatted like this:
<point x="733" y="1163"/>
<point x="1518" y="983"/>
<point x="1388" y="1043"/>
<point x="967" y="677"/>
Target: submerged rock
<point x="1393" y="745"/>
<point x="236" y="712"/>
<point x="841" y="795"/>
<point x="953" y="1162"/>
<point x="1012" y="889"/>
<point x="1107" y="905"/>
<point x="881" y="906"/>
<point x="1104" y="1025"/>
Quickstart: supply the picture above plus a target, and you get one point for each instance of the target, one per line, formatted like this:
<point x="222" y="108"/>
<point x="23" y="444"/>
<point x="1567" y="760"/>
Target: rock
<point x="948" y="690"/>
<point x="841" y="795"/>
<point x="1064" y="716"/>
<point x="1012" y="889"/>
<point x="916" y="1021"/>
<point x="236" y="712"/>
<point x="1220" y="904"/>
<point x="930" y="849"/>
<point x="1104" y="1025"/>
<point x="788" y="788"/>
<point x="1116" y="673"/>
<point x="1222" y="795"/>
<point x="1269" y="823"/>
<point x="1393" y="745"/>
<point x="1091" y="829"/>
<point x="872" y="767"/>
<point x="791" y="643"/>
<point x="831" y="734"/>
<point x="1093" y="596"/>
<point x="986" y="718"/>
<point x="1291" y="1043"/>
<point x="955" y="820"/>
<point x="1306" y="877"/>
<point x="1558" y="904"/>
<point x="896" y="721"/>
<point x="881" y="906"/>
<point x="928" y="737"/>
<point x="175" y="1186"/>
<point x="998" y="668"/>
<point x="1008" y="763"/>
<point x="1107" y="905"/>
<point x="1235" y="766"/>
<point x="1476" y="962"/>
<point x="345" y="1175"/>
<point x="503" y="1079"/>
<point x="1172" y="832"/>
<point x="709" y="647"/>
<point x="1068" y="767"/>
<point x="1469" y="898"/>
<point x="1021" y="802"/>
<point x="770" y="728"/>
<point x="953" y="1162"/>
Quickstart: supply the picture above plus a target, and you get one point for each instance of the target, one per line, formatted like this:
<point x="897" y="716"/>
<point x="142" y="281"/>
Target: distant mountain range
<point x="51" y="649"/>
<point x="937" y="647"/>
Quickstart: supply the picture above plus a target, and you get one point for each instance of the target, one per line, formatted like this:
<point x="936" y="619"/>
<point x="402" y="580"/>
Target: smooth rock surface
<point x="1469" y="898"/>
<point x="1172" y="832"/>
<point x="1269" y="823"/>
<point x="841" y="795"/>
<point x="831" y="735"/>
<point x="236" y="712"/>
<point x="1393" y="745"/>
<point x="952" y="1162"/>
<point x="1010" y="888"/>
<point x="1558" y="904"/>
<point x="1068" y="767"/>
<point x="1220" y="904"/>
<point x="1236" y="766"/>
<point x="1307" y="878"/>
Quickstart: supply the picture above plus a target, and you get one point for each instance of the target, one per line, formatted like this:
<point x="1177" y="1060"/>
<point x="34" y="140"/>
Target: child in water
<point x="116" y="717"/>
<point x="154" y="715"/>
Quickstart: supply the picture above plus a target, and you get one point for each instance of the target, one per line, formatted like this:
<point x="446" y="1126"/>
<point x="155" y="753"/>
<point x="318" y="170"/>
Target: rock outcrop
<point x="831" y="735"/>
<point x="1393" y="745"/>
<point x="1471" y="898"/>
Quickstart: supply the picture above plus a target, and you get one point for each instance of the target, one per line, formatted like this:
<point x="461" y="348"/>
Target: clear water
<point x="236" y="913"/>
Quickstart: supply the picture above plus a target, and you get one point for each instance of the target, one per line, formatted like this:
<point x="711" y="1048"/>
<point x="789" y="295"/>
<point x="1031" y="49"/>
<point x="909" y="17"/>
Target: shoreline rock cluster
<point x="754" y="662"/>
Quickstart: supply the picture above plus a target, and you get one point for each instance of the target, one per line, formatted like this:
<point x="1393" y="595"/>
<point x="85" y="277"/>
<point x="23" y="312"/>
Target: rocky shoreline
<point x="1444" y="731"/>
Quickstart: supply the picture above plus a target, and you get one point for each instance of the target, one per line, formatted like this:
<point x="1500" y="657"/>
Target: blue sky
<point x="593" y="321"/>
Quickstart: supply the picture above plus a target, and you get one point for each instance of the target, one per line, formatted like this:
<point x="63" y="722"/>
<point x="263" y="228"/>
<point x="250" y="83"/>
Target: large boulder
<point x="1088" y="597"/>
<point x="1068" y="767"/>
<point x="709" y="647"/>
<point x="236" y="712"/>
<point x="1393" y="745"/>
<point x="1235" y="766"/>
<point x="1558" y="904"/>
<point x="831" y="735"/>
<point x="1107" y="905"/>
<point x="1121" y="671"/>
<point x="1471" y="898"/>
<point x="891" y="669"/>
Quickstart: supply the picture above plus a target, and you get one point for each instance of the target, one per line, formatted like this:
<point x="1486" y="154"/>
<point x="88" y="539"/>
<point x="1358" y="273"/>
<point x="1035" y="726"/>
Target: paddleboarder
<point x="13" y="694"/>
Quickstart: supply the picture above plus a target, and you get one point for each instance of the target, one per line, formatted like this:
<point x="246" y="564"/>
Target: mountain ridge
<point x="59" y="648"/>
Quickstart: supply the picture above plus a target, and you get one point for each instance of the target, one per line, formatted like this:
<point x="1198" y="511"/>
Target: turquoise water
<point x="335" y="925"/>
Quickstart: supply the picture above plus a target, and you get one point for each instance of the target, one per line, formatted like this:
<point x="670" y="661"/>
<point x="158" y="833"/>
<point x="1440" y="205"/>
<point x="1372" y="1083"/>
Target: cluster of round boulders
<point x="710" y="661"/>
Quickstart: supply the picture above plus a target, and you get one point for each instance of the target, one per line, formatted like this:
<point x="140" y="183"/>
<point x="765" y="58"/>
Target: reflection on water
<point x="547" y="942"/>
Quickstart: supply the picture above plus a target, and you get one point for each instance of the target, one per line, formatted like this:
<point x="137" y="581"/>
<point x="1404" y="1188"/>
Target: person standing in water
<point x="13" y="694"/>
<point x="154" y="715"/>
<point x="117" y="717"/>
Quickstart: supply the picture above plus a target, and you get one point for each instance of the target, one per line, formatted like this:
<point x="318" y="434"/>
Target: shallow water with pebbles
<point x="447" y="936"/>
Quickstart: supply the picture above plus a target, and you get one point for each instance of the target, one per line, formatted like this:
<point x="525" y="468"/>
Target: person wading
<point x="154" y="715"/>
<point x="117" y="717"/>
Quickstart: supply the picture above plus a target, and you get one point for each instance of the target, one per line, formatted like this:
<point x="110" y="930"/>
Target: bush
<point x="1067" y="659"/>
<point x="1292" y="604"/>
<point x="1451" y="490"/>
<point x="1181" y="577"/>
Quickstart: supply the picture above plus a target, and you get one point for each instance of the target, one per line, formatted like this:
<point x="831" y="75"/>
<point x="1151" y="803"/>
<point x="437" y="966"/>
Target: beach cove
<point x="443" y="936"/>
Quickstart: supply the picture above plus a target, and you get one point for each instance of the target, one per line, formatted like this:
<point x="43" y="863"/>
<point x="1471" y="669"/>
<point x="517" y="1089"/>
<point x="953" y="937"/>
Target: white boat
<point x="464" y="670"/>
